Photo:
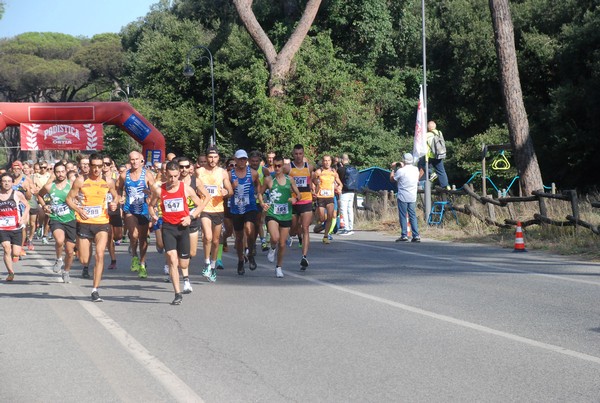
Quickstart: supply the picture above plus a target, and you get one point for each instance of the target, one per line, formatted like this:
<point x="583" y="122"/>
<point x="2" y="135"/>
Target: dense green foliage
<point x="354" y="83"/>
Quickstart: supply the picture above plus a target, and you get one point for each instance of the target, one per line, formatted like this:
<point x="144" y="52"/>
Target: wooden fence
<point x="377" y="202"/>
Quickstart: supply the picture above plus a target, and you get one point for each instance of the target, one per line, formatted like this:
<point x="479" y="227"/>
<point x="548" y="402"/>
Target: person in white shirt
<point x="406" y="176"/>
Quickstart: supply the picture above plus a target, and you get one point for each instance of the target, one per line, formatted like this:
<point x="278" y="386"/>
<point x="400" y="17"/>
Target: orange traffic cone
<point x="519" y="242"/>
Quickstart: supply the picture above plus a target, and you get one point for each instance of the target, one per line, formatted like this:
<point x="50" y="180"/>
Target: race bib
<point x="61" y="209"/>
<point x="281" y="209"/>
<point x="212" y="190"/>
<point x="137" y="197"/>
<point x="92" y="211"/>
<point x="6" y="222"/>
<point x="301" y="181"/>
<point x="242" y="200"/>
<point x="326" y="193"/>
<point x="174" y="205"/>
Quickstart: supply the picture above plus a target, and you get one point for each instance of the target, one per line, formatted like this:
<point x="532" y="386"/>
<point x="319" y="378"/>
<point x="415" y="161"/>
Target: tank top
<point x="135" y="200"/>
<point x="243" y="199"/>
<point x="173" y="205"/>
<point x="92" y="196"/>
<point x="213" y="182"/>
<point x="302" y="178"/>
<point x="9" y="213"/>
<point x="60" y="210"/>
<point x="326" y="184"/>
<point x="191" y="205"/>
<point x="280" y="208"/>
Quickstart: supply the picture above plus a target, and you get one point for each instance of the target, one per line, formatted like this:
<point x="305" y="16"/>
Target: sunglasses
<point x="184" y="166"/>
<point x="43" y="167"/>
<point x="277" y="165"/>
<point x="96" y="165"/>
<point x="107" y="163"/>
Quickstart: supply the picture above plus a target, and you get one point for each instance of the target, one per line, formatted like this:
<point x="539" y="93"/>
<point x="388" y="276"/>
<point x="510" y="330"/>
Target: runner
<point x="255" y="161"/>
<point x="243" y="208"/>
<point x="302" y="172"/>
<point x="88" y="198"/>
<point x="136" y="182"/>
<point x="185" y="175"/>
<point x="176" y="216"/>
<point x="328" y="183"/>
<point x="14" y="214"/>
<point x="218" y="186"/>
<point x="32" y="224"/>
<point x="40" y="180"/>
<point x="279" y="210"/>
<point x="62" y="220"/>
<point x="115" y="218"/>
<point x="23" y="184"/>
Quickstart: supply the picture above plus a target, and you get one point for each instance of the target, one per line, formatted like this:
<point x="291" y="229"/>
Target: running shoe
<point x="10" y="277"/>
<point x="342" y="231"/>
<point x="30" y="245"/>
<point x="252" y="262"/>
<point x="44" y="240"/>
<point x="142" y="273"/>
<point x="206" y="271"/>
<point x="278" y="272"/>
<point x="319" y="227"/>
<point x="264" y="245"/>
<point x="166" y="269"/>
<point x="15" y="259"/>
<point x="290" y="241"/>
<point x="348" y="233"/>
<point x="416" y="239"/>
<point x="178" y="299"/>
<point x="112" y="266"/>
<point x="96" y="297"/>
<point x="58" y="265"/>
<point x="135" y="263"/>
<point x="23" y="253"/>
<point x="85" y="273"/>
<point x="117" y="243"/>
<point x="330" y="237"/>
<point x="403" y="238"/>
<point x="219" y="265"/>
<point x="66" y="277"/>
<point x="213" y="276"/>
<point x="271" y="255"/>
<point x="240" y="268"/>
<point x="187" y="287"/>
<point x="326" y="240"/>
<point x="303" y="263"/>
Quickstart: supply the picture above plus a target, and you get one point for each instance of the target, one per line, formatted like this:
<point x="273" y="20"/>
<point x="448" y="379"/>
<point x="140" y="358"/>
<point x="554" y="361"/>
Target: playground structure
<point x="120" y="114"/>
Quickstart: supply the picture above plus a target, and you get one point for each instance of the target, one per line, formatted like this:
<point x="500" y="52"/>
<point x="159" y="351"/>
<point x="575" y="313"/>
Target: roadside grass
<point x="566" y="240"/>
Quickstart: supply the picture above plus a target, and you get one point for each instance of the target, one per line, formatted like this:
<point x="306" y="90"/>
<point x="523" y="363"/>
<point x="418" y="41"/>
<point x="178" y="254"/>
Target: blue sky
<point x="73" y="17"/>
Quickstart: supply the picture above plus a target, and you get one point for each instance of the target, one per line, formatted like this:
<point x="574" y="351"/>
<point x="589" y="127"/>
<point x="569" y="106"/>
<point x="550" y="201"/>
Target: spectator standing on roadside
<point x="348" y="175"/>
<point x="406" y="176"/>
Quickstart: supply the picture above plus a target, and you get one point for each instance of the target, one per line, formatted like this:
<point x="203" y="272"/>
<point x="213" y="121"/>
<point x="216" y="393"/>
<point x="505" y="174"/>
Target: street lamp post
<point x="188" y="71"/>
<point x="115" y="94"/>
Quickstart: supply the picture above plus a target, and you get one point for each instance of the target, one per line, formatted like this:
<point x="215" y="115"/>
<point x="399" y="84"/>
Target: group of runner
<point x="175" y="199"/>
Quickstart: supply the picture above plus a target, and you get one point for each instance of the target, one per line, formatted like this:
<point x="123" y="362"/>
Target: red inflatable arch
<point x="120" y="114"/>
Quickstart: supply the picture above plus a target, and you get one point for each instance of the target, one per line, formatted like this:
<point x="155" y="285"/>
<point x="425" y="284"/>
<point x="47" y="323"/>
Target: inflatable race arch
<point x="88" y="114"/>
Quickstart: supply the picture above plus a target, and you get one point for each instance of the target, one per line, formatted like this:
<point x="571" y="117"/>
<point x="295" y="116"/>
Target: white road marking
<point x="471" y="263"/>
<point x="180" y="391"/>
<point x="454" y="321"/>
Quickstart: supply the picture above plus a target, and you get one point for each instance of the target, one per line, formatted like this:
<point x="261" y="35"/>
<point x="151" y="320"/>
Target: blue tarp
<point x="375" y="179"/>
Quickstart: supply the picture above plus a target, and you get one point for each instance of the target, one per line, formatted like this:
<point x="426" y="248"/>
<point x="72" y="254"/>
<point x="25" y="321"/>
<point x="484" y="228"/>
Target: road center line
<point x="454" y="321"/>
<point x="180" y="391"/>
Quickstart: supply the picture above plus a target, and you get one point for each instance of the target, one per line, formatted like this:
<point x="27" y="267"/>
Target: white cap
<point x="241" y="154"/>
<point x="408" y="158"/>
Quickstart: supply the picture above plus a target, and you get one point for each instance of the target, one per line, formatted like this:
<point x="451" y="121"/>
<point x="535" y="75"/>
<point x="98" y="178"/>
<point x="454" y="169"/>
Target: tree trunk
<point x="279" y="64"/>
<point x="518" y="125"/>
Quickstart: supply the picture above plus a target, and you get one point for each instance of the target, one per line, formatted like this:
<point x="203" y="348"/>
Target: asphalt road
<point x="371" y="320"/>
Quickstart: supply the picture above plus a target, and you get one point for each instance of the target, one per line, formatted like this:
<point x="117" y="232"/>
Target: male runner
<point x="62" y="220"/>
<point x="136" y="182"/>
<point x="87" y="198"/>
<point x="216" y="181"/>
<point x="302" y="172"/>
<point x="176" y="215"/>
<point x="14" y="214"/>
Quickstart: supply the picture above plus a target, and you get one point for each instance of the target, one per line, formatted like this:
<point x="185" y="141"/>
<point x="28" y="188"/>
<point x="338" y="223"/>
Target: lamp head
<point x="188" y="71"/>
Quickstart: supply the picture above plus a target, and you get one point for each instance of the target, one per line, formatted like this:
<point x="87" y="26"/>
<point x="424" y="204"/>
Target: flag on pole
<point x="420" y="142"/>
